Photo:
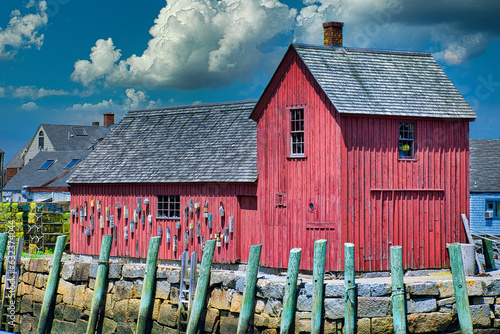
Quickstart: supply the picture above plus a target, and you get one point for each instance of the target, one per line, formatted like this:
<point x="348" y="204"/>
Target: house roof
<point x="17" y="161"/>
<point x="54" y="176"/>
<point x="67" y="138"/>
<point x="484" y="165"/>
<point x="382" y="83"/>
<point x="198" y="143"/>
<point x="1" y="151"/>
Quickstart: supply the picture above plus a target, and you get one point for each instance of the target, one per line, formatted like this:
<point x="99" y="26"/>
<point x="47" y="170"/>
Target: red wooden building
<point x="349" y="145"/>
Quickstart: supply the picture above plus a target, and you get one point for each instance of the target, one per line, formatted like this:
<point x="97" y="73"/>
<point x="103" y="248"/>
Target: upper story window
<point x="406" y="144"/>
<point x="41" y="140"/>
<point x="494" y="207"/>
<point x="169" y="207"/>
<point x="297" y="132"/>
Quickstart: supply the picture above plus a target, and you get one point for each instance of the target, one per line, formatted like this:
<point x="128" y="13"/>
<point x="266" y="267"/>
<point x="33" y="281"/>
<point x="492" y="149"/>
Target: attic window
<point x="297" y="132"/>
<point x="46" y="165"/>
<point x="72" y="163"/>
<point x="406" y="145"/>
<point x="169" y="207"/>
<point x="80" y="131"/>
<point x="41" y="140"/>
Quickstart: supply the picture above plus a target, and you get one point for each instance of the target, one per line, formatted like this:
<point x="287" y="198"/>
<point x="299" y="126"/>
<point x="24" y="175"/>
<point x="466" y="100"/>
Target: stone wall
<point x="430" y="303"/>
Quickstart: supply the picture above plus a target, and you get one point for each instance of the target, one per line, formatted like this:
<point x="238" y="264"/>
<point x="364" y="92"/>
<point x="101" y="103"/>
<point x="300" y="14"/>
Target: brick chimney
<point x="109" y="119"/>
<point x="332" y="33"/>
<point x="95" y="123"/>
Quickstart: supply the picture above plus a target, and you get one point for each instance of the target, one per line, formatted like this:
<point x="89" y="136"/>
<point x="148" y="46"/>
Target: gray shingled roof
<point x="392" y="83"/>
<point x="197" y="143"/>
<point x="64" y="138"/>
<point x="32" y="176"/>
<point x="485" y="165"/>
<point x="18" y="161"/>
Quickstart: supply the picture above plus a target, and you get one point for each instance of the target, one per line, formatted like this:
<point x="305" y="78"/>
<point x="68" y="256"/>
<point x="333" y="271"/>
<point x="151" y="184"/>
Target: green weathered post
<point x="350" y="289"/>
<point x="460" y="288"/>
<point x="489" y="260"/>
<point x="149" y="285"/>
<point x="290" y="290"/>
<point x="201" y="287"/>
<point x="318" y="278"/>
<point x="398" y="290"/>
<point x="50" y="291"/>
<point x="249" y="290"/>
<point x="100" y="282"/>
<point x="4" y="237"/>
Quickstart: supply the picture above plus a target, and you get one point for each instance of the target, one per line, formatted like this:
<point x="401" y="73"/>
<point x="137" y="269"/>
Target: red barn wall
<point x="314" y="179"/>
<point x="238" y="201"/>
<point x="413" y="203"/>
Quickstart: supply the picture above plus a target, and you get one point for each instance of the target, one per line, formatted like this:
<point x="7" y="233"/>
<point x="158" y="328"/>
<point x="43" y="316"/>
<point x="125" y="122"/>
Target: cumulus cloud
<point x="29" y="106"/>
<point x="2" y="92"/>
<point x="23" y="31"/>
<point x="457" y="29"/>
<point x="194" y="44"/>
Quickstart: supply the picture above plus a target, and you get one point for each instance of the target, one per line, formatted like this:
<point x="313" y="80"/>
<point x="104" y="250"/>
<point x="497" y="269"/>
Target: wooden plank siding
<point x="231" y="195"/>
<point x="414" y="203"/>
<point x="314" y="179"/>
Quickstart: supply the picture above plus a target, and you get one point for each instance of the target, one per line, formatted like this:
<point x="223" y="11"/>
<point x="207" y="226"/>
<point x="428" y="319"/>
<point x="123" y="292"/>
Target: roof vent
<point x="332" y="33"/>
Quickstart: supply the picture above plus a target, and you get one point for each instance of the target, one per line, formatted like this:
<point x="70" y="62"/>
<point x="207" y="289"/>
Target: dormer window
<point x="46" y="165"/>
<point x="41" y="140"/>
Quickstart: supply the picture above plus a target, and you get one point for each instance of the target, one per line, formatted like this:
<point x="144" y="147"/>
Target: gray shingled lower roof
<point x="485" y="165"/>
<point x="384" y="83"/>
<point x="197" y="143"/>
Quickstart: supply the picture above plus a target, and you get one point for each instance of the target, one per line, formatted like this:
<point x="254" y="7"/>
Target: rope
<point x="346" y="291"/>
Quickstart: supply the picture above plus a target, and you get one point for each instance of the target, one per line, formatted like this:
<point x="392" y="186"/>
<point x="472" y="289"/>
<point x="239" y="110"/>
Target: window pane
<point x="489" y="205"/>
<point x="497" y="209"/>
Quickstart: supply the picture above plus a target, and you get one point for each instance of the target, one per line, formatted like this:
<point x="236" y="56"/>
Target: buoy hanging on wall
<point x="205" y="209"/>
<point x="221" y="210"/>
<point x="231" y="224"/>
<point x="210" y="221"/>
<point x="168" y="235"/>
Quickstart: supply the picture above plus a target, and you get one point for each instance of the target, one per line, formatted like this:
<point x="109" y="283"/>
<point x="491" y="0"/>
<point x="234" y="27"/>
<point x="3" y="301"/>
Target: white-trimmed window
<point x="406" y="144"/>
<point x="169" y="207"/>
<point x="297" y="132"/>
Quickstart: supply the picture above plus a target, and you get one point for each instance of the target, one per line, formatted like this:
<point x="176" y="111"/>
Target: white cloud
<point x="133" y="100"/>
<point x="34" y="93"/>
<point x="2" y="92"/>
<point x="29" y="106"/>
<point x="195" y="43"/>
<point x="102" y="59"/>
<point x="23" y="31"/>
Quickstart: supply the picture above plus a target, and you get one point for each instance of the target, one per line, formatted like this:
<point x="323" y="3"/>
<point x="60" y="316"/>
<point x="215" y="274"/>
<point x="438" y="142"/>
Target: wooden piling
<point x="318" y="279"/>
<point x="201" y="287"/>
<point x="4" y="237"/>
<point x="100" y="282"/>
<point x="249" y="290"/>
<point x="290" y="290"/>
<point x="52" y="282"/>
<point x="460" y="288"/>
<point x="489" y="260"/>
<point x="148" y="287"/>
<point x="398" y="290"/>
<point x="350" y="300"/>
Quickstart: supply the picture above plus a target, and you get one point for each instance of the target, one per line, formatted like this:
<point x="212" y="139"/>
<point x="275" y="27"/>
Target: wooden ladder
<point x="11" y="282"/>
<point x="187" y="289"/>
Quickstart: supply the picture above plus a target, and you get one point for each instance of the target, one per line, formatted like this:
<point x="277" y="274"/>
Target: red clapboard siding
<point x="314" y="179"/>
<point x="413" y="203"/>
<point x="231" y="196"/>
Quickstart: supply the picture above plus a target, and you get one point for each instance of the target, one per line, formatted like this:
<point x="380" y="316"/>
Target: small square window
<point x="80" y="131"/>
<point x="406" y="144"/>
<point x="46" y="165"/>
<point x="169" y="207"/>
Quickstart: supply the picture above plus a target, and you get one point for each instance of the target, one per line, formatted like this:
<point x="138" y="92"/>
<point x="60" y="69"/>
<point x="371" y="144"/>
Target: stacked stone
<point x="430" y="305"/>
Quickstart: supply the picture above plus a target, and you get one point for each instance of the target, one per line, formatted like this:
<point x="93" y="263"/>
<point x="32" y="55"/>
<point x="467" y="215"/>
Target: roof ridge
<point x="73" y="125"/>
<point x="362" y="50"/>
<point x="199" y="105"/>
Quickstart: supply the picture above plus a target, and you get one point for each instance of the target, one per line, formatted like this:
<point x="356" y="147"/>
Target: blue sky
<point x="68" y="61"/>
